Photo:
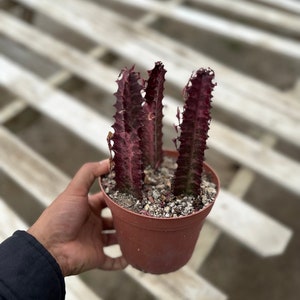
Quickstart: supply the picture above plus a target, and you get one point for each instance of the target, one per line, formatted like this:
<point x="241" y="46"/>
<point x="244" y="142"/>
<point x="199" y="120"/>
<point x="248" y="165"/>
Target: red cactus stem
<point x="194" y="133"/>
<point x="151" y="133"/>
<point x="125" y="140"/>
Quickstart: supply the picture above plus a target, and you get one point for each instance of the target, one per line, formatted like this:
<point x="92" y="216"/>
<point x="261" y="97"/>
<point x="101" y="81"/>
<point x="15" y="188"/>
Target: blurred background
<point x="58" y="64"/>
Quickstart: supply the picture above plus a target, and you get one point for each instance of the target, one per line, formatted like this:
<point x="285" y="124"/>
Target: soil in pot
<point x="158" y="200"/>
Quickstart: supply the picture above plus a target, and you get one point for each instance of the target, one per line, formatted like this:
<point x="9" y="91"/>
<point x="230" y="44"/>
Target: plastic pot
<point x="158" y="245"/>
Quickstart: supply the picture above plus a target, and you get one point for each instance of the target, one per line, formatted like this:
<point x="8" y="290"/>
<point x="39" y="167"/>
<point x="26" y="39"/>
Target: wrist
<point x="51" y="248"/>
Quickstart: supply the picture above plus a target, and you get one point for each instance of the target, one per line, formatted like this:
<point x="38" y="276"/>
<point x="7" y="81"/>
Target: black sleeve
<point x="28" y="270"/>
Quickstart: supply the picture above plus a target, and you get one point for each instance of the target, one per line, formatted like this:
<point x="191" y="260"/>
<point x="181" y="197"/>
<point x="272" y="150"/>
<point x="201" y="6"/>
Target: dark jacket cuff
<point x="28" y="270"/>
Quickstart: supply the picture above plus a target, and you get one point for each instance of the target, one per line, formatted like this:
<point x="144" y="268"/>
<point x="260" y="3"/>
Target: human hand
<point x="72" y="228"/>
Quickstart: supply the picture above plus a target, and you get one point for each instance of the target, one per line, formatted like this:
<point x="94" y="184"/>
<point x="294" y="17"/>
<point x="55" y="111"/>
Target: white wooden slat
<point x="17" y="106"/>
<point x="227" y="28"/>
<point x="206" y="242"/>
<point x="56" y="182"/>
<point x="256" y="12"/>
<point x="273" y="236"/>
<point x="93" y="128"/>
<point x="284" y="169"/>
<point x="195" y="290"/>
<point x="128" y="32"/>
<point x="32" y="163"/>
<point x="11" y="109"/>
<point x="27" y="168"/>
<point x="296" y="89"/>
<point x="77" y="289"/>
<point x="141" y="46"/>
<point x="56" y="104"/>
<point x="289" y="5"/>
<point x="263" y="93"/>
<point x="97" y="73"/>
<point x="67" y="56"/>
<point x="10" y="222"/>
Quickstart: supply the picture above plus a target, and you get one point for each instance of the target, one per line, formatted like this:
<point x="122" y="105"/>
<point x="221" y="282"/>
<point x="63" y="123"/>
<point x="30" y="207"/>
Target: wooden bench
<point x="275" y="114"/>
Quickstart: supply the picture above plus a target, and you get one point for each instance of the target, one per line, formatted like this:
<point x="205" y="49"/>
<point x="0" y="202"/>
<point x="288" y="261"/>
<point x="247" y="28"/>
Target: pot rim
<point x="171" y="219"/>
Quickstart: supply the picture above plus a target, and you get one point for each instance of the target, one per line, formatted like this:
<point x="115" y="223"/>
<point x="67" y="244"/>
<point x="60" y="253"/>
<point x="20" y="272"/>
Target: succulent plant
<point x="137" y="139"/>
<point x="193" y="133"/>
<point x="151" y="130"/>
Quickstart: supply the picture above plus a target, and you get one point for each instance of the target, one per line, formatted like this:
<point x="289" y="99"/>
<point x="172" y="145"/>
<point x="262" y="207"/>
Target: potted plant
<point x="159" y="199"/>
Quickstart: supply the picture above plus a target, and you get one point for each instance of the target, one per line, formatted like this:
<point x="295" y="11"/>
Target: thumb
<point x="86" y="175"/>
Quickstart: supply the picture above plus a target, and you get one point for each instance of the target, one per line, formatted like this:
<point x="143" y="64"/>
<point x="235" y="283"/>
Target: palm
<point x="73" y="227"/>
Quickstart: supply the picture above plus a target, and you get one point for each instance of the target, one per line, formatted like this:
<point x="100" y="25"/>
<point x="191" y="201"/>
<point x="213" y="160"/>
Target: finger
<point x="109" y="239"/>
<point x="97" y="202"/>
<point x="98" y="197"/>
<point x="117" y="263"/>
<point x="107" y="224"/>
<point x="86" y="175"/>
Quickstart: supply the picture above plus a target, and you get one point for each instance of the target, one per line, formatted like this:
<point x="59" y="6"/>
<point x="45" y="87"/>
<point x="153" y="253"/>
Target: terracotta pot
<point x="158" y="245"/>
